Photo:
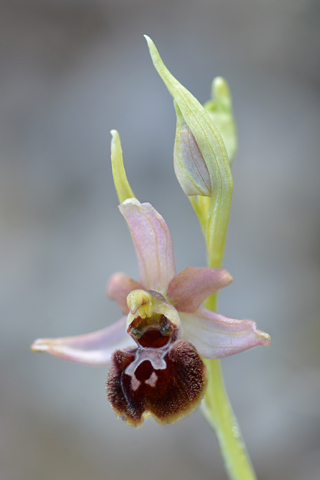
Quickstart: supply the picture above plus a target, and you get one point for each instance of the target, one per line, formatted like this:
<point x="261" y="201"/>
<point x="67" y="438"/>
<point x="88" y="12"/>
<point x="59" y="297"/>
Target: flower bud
<point x="221" y="112"/>
<point x="189" y="165"/>
<point x="201" y="159"/>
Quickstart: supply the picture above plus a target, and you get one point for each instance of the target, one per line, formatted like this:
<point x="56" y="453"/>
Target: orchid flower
<point x="154" y="351"/>
<point x="164" y="351"/>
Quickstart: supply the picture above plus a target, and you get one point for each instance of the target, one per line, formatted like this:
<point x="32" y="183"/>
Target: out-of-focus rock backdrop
<point x="71" y="70"/>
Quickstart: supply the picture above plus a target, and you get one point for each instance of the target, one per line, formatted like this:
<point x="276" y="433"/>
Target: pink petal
<point x="119" y="287"/>
<point x="153" y="244"/>
<point x="192" y="286"/>
<point x="92" y="349"/>
<point x="216" y="336"/>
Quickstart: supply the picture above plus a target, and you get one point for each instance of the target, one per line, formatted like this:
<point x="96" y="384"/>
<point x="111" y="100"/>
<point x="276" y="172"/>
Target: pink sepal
<point x="91" y="349"/>
<point x="153" y="244"/>
<point x="189" y="288"/>
<point x="216" y="336"/>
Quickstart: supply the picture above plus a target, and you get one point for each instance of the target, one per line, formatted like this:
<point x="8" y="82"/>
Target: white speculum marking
<point x="152" y="380"/>
<point x="135" y="383"/>
<point x="155" y="356"/>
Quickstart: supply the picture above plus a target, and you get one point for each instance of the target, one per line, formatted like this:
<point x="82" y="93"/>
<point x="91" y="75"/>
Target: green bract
<point x="208" y="181"/>
<point x="121" y="183"/>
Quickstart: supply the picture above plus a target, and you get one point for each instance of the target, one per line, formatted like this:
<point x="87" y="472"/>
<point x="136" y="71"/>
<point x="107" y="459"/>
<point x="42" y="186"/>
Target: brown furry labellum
<point x="163" y="377"/>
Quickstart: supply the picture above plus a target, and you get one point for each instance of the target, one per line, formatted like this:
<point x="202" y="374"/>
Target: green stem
<point x="219" y="414"/>
<point x="217" y="408"/>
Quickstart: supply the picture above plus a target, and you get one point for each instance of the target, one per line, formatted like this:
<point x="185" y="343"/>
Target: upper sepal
<point x="153" y="244"/>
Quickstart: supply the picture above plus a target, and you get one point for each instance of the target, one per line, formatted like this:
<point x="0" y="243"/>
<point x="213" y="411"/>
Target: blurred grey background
<point x="71" y="70"/>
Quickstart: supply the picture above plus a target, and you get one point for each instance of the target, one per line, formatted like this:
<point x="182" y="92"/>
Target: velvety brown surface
<point x="167" y="394"/>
